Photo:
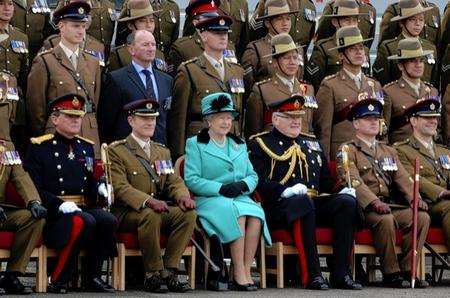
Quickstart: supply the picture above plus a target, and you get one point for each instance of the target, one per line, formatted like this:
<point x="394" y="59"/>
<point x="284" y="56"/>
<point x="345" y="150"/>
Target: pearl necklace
<point x="218" y="144"/>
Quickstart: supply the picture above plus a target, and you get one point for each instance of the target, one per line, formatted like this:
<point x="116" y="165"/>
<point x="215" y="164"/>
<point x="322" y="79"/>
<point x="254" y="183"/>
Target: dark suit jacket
<point x="121" y="87"/>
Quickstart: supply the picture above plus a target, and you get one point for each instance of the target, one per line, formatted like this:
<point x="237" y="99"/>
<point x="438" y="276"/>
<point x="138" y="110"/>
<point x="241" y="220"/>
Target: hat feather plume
<point x="220" y="102"/>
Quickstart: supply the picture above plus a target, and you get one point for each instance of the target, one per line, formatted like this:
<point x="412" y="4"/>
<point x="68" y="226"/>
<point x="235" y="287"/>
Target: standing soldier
<point x="323" y="61"/>
<point x="385" y="191"/>
<point x="296" y="188"/>
<point x="14" y="71"/>
<point x="189" y="47"/>
<point x="238" y="11"/>
<point x="32" y="17"/>
<point x="281" y="85"/>
<point x="412" y="21"/>
<point x="390" y="30"/>
<point x="65" y="69"/>
<point x="257" y="60"/>
<point x="62" y="167"/>
<point x="208" y="73"/>
<point x="137" y="15"/>
<point x="367" y="22"/>
<point x="444" y="49"/>
<point x="303" y="22"/>
<point x="434" y="160"/>
<point x="446" y="115"/>
<point x="403" y="93"/>
<point x="340" y="91"/>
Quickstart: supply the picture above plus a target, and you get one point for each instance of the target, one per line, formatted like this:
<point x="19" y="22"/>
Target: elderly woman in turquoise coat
<point x="219" y="173"/>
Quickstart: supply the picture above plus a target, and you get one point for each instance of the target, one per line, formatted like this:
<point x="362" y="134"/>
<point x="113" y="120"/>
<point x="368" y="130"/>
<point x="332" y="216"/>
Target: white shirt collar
<point x="141" y="142"/>
<point x="68" y="51"/>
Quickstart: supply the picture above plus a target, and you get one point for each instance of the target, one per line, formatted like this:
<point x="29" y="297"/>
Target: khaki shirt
<point x="368" y="182"/>
<point x="167" y="25"/>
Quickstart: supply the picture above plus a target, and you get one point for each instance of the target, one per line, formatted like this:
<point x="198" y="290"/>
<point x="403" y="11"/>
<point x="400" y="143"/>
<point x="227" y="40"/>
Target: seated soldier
<point x="61" y="166"/>
<point x="150" y="198"/>
<point x="434" y="161"/>
<point x="385" y="191"/>
<point x="293" y="170"/>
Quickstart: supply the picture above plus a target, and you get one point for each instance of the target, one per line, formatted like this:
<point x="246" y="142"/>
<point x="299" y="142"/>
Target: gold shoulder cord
<point x="292" y="153"/>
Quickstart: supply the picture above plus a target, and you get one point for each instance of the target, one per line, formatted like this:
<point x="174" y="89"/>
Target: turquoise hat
<point x="218" y="103"/>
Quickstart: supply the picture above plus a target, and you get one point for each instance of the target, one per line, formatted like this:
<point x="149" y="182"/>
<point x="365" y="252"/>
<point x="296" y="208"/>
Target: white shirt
<point x="69" y="53"/>
<point x="217" y="64"/>
<point x="287" y="82"/>
<point x="139" y="70"/>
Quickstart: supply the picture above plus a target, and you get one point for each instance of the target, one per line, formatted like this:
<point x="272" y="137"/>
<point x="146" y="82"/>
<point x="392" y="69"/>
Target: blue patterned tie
<point x="149" y="84"/>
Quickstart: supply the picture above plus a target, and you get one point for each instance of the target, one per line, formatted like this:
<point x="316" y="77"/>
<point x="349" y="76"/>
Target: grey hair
<point x="131" y="37"/>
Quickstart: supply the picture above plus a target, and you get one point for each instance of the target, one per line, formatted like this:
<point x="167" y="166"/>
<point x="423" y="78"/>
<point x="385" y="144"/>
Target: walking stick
<point x="214" y="267"/>
<point x="415" y="206"/>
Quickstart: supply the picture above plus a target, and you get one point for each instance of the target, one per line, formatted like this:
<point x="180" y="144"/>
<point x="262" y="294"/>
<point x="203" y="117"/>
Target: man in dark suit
<point x="138" y="80"/>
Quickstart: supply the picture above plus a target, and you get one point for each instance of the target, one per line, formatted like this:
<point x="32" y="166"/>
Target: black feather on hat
<point x="220" y="102"/>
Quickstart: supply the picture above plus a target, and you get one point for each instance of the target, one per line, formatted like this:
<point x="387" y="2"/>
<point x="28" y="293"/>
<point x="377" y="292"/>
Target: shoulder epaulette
<point x="330" y="76"/>
<point x="263" y="81"/>
<point x="118" y="142"/>
<point x="189" y="61"/>
<point x="258" y="134"/>
<point x="17" y="29"/>
<point x="45" y="52"/>
<point x="116" y="48"/>
<point x="399" y="143"/>
<point x="159" y="144"/>
<point x="41" y="139"/>
<point x="391" y="83"/>
<point x="308" y="135"/>
<point x="428" y="83"/>
<point x="85" y="139"/>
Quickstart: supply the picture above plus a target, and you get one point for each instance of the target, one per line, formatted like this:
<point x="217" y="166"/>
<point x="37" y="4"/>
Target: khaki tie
<point x="358" y="82"/>
<point x="147" y="149"/>
<point x="73" y="59"/>
<point x="220" y="70"/>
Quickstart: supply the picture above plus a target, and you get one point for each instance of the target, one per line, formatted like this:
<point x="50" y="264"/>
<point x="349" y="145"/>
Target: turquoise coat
<point x="206" y="169"/>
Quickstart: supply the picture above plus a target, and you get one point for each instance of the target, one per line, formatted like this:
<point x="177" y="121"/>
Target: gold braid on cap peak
<point x="293" y="153"/>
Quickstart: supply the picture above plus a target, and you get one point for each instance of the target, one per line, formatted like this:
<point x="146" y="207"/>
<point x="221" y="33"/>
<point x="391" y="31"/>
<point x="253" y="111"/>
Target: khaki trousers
<point x="441" y="213"/>
<point x="383" y="228"/>
<point x="176" y="224"/>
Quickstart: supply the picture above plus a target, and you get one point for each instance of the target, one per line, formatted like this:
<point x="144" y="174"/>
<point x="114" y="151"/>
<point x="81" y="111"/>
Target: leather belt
<point x="77" y="199"/>
<point x="312" y="193"/>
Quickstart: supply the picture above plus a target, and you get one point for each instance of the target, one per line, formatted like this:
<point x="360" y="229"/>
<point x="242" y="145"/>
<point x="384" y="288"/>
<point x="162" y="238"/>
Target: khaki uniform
<point x="303" y="23"/>
<point x="336" y="93"/>
<point x="445" y="30"/>
<point x="186" y="48"/>
<point x="434" y="177"/>
<point x="385" y="71"/>
<point x="238" y="11"/>
<point x="167" y="25"/>
<point x="120" y="57"/>
<point x="35" y="24"/>
<point x="367" y="23"/>
<point x="431" y="31"/>
<point x="90" y="45"/>
<point x="399" y="96"/>
<point x="195" y="79"/>
<point x="258" y="117"/>
<point x="445" y="121"/>
<point x="445" y="68"/>
<point x="133" y="185"/>
<point x="53" y="75"/>
<point x="103" y="17"/>
<point x="374" y="179"/>
<point x="324" y="62"/>
<point x="27" y="229"/>
<point x="257" y="66"/>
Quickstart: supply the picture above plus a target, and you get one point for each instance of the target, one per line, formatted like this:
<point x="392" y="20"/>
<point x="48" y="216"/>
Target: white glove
<point x="68" y="207"/>
<point x="297" y="189"/>
<point x="348" y="191"/>
<point x="105" y="190"/>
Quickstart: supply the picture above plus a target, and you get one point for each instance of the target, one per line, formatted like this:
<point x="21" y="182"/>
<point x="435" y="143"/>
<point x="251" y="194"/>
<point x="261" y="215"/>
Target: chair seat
<point x="365" y="237"/>
<point x="130" y="240"/>
<point x="7" y="238"/>
<point x="324" y="236"/>
<point x="436" y="236"/>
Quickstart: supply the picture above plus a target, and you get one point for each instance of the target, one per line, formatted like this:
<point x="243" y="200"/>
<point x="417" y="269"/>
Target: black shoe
<point x="318" y="283"/>
<point x="176" y="286"/>
<point x="97" y="284"/>
<point x="57" y="288"/>
<point x="12" y="285"/>
<point x="243" y="288"/>
<point x="395" y="280"/>
<point x="345" y="283"/>
<point x="155" y="284"/>
<point x="217" y="285"/>
<point x="420" y="284"/>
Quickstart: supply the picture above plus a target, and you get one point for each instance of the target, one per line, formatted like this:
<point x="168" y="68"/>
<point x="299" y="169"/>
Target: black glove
<point x="232" y="190"/>
<point x="37" y="210"/>
<point x="3" y="216"/>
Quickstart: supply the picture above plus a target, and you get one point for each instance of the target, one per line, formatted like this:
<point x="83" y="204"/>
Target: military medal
<point x="371" y="17"/>
<point x="229" y="55"/>
<point x="435" y="22"/>
<point x="366" y="63"/>
<point x="173" y="18"/>
<point x="163" y="167"/>
<point x="313" y="145"/>
<point x="12" y="93"/>
<point x="172" y="171"/>
<point x="310" y="15"/>
<point x="310" y="101"/>
<point x="71" y="155"/>
<point x="161" y="64"/>
<point x="10" y="158"/>
<point x="430" y="59"/>
<point x="158" y="167"/>
<point x="242" y="14"/>
<point x="89" y="163"/>
<point x="445" y="161"/>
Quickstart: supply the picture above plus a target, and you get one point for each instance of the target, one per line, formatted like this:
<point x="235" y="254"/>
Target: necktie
<point x="358" y="82"/>
<point x="149" y="84"/>
<point x="73" y="60"/>
<point x="147" y="149"/>
<point x="219" y="68"/>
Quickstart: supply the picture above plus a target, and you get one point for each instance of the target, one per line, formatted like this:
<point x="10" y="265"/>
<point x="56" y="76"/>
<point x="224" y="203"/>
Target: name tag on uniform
<point x="310" y="15"/>
<point x="164" y="167"/>
<point x="10" y="158"/>
<point x="229" y="55"/>
<point x="388" y="164"/>
<point x="445" y="161"/>
<point x="19" y="46"/>
<point x="40" y="6"/>
<point x="313" y="145"/>
<point x="236" y="85"/>
<point x="161" y="64"/>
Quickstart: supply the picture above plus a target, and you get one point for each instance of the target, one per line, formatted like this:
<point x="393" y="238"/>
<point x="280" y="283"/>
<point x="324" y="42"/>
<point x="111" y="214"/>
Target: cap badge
<point x="371" y="107"/>
<point x="222" y="22"/>
<point x="432" y="107"/>
<point x="75" y="102"/>
<point x="296" y="104"/>
<point x="149" y="106"/>
<point x="81" y="10"/>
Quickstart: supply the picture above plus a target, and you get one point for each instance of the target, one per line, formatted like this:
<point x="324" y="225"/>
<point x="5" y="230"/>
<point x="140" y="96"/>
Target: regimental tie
<point x="149" y="84"/>
<point x="73" y="60"/>
<point x="146" y="149"/>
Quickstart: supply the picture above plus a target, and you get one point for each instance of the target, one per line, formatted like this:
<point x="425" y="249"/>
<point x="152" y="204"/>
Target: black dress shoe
<point x="243" y="288"/>
<point x="420" y="284"/>
<point x="57" y="288"/>
<point x="175" y="285"/>
<point x="217" y="285"/>
<point x="345" y="283"/>
<point x="395" y="280"/>
<point x="155" y="284"/>
<point x="12" y="285"/>
<point x="97" y="284"/>
<point x="318" y="283"/>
